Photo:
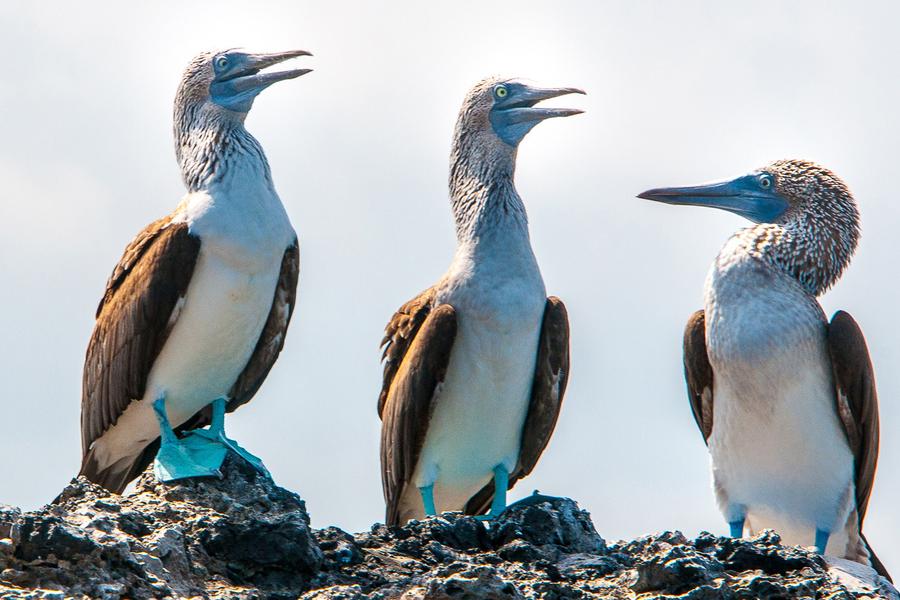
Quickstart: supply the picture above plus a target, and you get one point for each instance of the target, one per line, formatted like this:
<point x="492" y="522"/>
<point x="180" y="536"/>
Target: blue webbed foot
<point x="183" y="459"/>
<point x="215" y="437"/>
<point x="221" y="441"/>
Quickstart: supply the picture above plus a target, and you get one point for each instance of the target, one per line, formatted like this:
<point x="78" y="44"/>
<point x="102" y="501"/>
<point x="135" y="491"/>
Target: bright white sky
<point x="678" y="93"/>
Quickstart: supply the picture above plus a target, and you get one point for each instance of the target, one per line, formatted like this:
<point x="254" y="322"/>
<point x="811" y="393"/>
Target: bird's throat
<point x="207" y="151"/>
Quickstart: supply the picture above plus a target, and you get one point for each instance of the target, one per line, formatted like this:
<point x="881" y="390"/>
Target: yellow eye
<point x="501" y="92"/>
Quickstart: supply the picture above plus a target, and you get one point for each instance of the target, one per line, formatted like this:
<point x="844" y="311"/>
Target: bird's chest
<point x="244" y="232"/>
<point x="494" y="351"/>
<point x="499" y="307"/>
<point x="478" y="415"/>
<point x="505" y="307"/>
<point x="775" y="429"/>
<point x="764" y="334"/>
<point x="244" y="225"/>
<point x="234" y="291"/>
<point x="496" y="288"/>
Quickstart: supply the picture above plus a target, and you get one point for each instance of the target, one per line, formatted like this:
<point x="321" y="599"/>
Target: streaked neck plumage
<point x="813" y="247"/>
<point x="208" y="143"/>
<point x="231" y="200"/>
<point x="482" y="193"/>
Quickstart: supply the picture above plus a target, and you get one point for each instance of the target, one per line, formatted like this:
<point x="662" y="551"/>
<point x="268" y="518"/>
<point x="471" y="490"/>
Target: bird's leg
<point x="736" y="514"/>
<point x="427" y="493"/>
<point x="498" y="504"/>
<point x="821" y="540"/>
<point x="217" y="423"/>
<point x="216" y="433"/>
<point x="166" y="433"/>
<point x="501" y="482"/>
<point x="175" y="459"/>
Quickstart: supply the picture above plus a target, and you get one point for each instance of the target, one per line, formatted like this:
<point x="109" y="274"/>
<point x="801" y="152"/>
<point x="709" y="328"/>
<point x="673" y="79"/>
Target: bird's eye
<point x="222" y="62"/>
<point x="765" y="181"/>
<point x="501" y="91"/>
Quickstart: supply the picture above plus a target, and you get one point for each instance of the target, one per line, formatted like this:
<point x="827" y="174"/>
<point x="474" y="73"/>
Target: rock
<point x="551" y="526"/>
<point x="243" y="537"/>
<point x="9" y="515"/>
<point x="480" y="583"/>
<point x="210" y="538"/>
<point x="860" y="578"/>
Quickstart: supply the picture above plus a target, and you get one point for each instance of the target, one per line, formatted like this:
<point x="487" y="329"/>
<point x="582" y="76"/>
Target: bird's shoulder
<point x="172" y="235"/>
<point x="252" y="224"/>
<point x="399" y="334"/>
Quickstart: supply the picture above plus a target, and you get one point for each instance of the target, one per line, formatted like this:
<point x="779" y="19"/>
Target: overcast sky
<point x="677" y="93"/>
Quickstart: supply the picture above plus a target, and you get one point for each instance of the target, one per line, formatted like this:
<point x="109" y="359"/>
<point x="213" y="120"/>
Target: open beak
<point x="742" y="196"/>
<point x="521" y="107"/>
<point x="248" y="77"/>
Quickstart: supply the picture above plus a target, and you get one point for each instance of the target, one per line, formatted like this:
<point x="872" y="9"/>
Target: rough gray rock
<point x="243" y="537"/>
<point x="238" y="537"/>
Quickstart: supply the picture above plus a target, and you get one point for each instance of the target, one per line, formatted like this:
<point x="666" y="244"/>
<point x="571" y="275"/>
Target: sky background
<point x="678" y="93"/>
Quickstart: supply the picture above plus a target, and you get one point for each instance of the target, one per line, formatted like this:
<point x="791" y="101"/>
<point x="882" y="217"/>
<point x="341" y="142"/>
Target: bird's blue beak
<point x="515" y="114"/>
<point x="752" y="196"/>
<point x="238" y="79"/>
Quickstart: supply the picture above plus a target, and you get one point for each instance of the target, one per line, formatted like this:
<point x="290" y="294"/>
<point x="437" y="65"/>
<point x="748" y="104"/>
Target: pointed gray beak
<point x="521" y="107"/>
<point x="249" y="76"/>
<point x="744" y="196"/>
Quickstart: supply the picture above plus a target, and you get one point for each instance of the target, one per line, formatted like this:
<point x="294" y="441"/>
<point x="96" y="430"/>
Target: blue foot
<point x="498" y="504"/>
<point x="182" y="459"/>
<point x="215" y="437"/>
<point x="822" y="540"/>
<point x="428" y="500"/>
<point x="737" y="528"/>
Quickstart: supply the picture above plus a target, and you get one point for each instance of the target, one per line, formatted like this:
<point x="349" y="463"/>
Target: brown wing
<point x="271" y="341"/>
<point x="419" y="339"/>
<point x="398" y="335"/>
<point x="698" y="373"/>
<point x="138" y="310"/>
<point x="551" y="375"/>
<point x="857" y="406"/>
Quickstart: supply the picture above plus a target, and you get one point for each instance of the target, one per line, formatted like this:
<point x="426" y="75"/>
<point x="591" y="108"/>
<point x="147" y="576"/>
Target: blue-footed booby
<point x="476" y="366"/>
<point x="196" y="312"/>
<point x="785" y="399"/>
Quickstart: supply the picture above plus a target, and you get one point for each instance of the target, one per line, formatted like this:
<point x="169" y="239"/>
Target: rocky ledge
<point x="243" y="537"/>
